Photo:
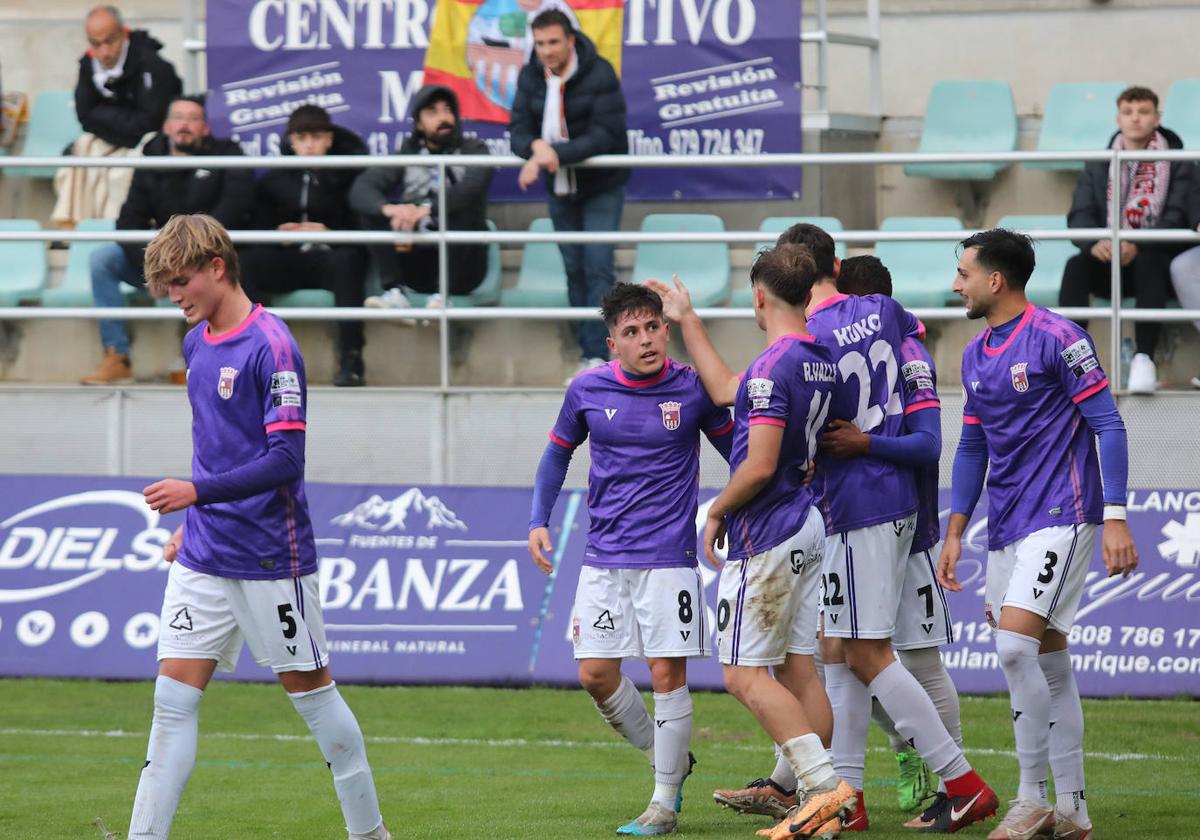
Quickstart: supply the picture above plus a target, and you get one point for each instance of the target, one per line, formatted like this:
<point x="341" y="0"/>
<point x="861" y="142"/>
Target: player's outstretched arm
<point x="720" y="382"/>
<point x="1116" y="543"/>
<point x="547" y="484"/>
<point x="762" y="459"/>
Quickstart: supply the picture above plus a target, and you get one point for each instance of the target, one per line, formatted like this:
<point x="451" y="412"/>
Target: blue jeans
<point x="590" y="269"/>
<point x="110" y="268"/>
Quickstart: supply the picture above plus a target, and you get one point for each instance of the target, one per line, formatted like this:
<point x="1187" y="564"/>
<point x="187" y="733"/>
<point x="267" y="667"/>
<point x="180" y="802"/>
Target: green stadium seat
<point x="967" y="116"/>
<point x="487" y="293"/>
<point x="702" y="266"/>
<point x="542" y="281"/>
<point x="303" y="299"/>
<point x="1052" y="255"/>
<point x="778" y="224"/>
<point x="52" y="127"/>
<point x="1079" y="116"/>
<point x="1181" y="113"/>
<point x="23" y="265"/>
<point x="76" y="286"/>
<point x="922" y="272"/>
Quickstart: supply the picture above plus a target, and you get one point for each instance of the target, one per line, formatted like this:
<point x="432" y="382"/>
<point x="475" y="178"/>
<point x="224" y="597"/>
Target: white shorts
<point x="1042" y="573"/>
<point x="863" y="578"/>
<point x="924" y="617"/>
<point x="208" y="617"/>
<point x="767" y="604"/>
<point x="639" y="613"/>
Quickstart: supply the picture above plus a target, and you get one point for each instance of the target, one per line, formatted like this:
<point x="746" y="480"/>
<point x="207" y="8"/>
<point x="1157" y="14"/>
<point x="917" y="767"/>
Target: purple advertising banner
<point x="700" y="77"/>
<point x="433" y="585"/>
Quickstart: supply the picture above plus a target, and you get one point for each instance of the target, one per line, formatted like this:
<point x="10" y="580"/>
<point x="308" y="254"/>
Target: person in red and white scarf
<point x="1153" y="194"/>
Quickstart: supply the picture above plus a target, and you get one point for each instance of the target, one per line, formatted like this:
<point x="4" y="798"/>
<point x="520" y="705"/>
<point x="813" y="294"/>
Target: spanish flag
<point x="478" y="47"/>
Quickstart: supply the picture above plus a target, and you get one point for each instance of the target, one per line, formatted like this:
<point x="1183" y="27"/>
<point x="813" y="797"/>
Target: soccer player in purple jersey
<point x="639" y="593"/>
<point x="244" y="563"/>
<point x="1036" y="399"/>
<point x="767" y="608"/>
<point x="870" y="506"/>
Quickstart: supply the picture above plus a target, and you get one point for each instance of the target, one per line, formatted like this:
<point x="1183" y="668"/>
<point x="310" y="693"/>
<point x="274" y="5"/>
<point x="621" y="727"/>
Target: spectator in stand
<point x="1185" y="268"/>
<point x="1153" y="194"/>
<point x="121" y="99"/>
<point x="312" y="200"/>
<point x="406" y="199"/>
<point x="154" y="197"/>
<point x="568" y="108"/>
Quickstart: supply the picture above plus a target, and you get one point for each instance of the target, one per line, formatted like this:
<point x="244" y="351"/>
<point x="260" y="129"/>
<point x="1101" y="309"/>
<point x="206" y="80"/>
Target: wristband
<point x="1114" y="512"/>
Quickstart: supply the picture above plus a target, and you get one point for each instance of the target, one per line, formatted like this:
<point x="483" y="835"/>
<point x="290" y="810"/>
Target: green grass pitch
<point x="493" y="763"/>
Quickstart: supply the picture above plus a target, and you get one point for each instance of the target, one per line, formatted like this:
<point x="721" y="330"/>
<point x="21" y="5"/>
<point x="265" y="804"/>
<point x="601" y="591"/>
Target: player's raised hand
<point x="540" y="548"/>
<point x="1117" y="547"/>
<point x="170" y="495"/>
<point x="171" y="549"/>
<point x="844" y="440"/>
<point x="677" y="302"/>
<point x="714" y="538"/>
<point x="948" y="563"/>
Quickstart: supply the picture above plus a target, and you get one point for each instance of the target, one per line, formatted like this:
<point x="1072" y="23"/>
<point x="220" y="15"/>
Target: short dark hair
<point x="1137" y="93"/>
<point x="787" y="271"/>
<point x="864" y="275"/>
<point x="553" y="17"/>
<point x="194" y="98"/>
<point x="1005" y="251"/>
<point x="309" y="119"/>
<point x="624" y="298"/>
<point x="817" y="240"/>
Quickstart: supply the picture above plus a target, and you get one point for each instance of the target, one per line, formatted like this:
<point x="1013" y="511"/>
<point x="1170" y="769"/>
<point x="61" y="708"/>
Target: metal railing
<point x="444" y="238"/>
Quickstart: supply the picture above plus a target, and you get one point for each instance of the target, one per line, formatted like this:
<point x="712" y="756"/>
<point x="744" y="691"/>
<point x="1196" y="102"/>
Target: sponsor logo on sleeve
<point x="1078" y="352"/>
<point x="918" y="375"/>
<point x="286" y="401"/>
<point x="284" y="381"/>
<point x="759" y="388"/>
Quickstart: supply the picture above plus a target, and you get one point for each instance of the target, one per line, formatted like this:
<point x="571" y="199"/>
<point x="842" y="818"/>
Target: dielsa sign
<point x="700" y="77"/>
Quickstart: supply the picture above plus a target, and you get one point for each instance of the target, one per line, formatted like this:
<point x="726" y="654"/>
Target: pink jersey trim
<point x="971" y="420"/>
<point x="996" y="351"/>
<point x="721" y="431"/>
<point x="556" y="439"/>
<point x="767" y="421"/>
<point x="236" y="331"/>
<point x="920" y="329"/>
<point x="923" y="404"/>
<point x="639" y="383"/>
<point x="829" y="301"/>
<point x="1095" y="389"/>
<point x="286" y="426"/>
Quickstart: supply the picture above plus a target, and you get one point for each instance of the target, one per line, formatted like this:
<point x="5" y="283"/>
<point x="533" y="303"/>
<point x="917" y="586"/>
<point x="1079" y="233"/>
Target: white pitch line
<point x="417" y="741"/>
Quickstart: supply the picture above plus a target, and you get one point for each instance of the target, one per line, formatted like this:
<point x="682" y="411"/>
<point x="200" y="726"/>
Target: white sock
<point x="626" y="712"/>
<point x="1066" y="736"/>
<point x="926" y="666"/>
<point x="810" y="763"/>
<point x="170" y="755"/>
<point x="340" y="739"/>
<point x="783" y="775"/>
<point x="917" y="720"/>
<point x="897" y="743"/>
<point x="1030" y="696"/>
<point x="851" y="704"/>
<point x="673" y="719"/>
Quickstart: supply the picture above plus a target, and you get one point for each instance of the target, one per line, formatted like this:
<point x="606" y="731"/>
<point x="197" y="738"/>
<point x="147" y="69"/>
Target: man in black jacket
<point x="406" y="199"/>
<point x="1153" y="194"/>
<point x="312" y="200"/>
<point x="155" y="196"/>
<point x="569" y="107"/>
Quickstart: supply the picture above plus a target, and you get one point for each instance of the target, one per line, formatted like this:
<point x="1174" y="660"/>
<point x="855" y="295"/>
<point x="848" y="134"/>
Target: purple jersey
<point x="920" y="392"/>
<point x="1043" y="469"/>
<point x="243" y="385"/>
<point x="789" y="385"/>
<point x="645" y="476"/>
<point x="864" y="334"/>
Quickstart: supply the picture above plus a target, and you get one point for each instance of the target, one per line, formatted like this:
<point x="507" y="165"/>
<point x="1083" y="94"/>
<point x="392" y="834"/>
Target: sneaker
<point x="379" y="833"/>
<point x="586" y="364"/>
<point x="1024" y="821"/>
<point x="679" y="793"/>
<point x="390" y="299"/>
<point x="914" y="782"/>
<point x="857" y="821"/>
<point x="434" y="302"/>
<point x="1195" y="381"/>
<point x="114" y="369"/>
<point x="958" y="812"/>
<point x="350" y="372"/>
<point x="931" y="814"/>
<point x="1143" y="375"/>
<point x="1067" y="829"/>
<point x="810" y="816"/>
<point x="655" y="820"/>
<point x="762" y="796"/>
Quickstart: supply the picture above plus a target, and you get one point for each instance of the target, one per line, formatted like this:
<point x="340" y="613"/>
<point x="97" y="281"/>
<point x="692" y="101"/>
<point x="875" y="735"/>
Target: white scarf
<point x="101" y="76"/>
<point x="1144" y="186"/>
<point x="554" y="122"/>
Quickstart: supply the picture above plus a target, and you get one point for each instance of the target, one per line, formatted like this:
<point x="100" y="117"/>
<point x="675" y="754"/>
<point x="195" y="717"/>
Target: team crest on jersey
<point x="225" y="383"/>
<point x="1020" y="378"/>
<point x="670" y="412"/>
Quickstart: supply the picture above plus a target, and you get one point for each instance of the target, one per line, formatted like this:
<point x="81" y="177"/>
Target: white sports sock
<point x="341" y="741"/>
<point x="851" y="704"/>
<point x="783" y="774"/>
<point x="1066" y="736"/>
<point x="170" y="755"/>
<point x="625" y="711"/>
<point x="1030" y="696"/>
<point x="917" y="720"/>
<point x="926" y="666"/>
<point x="810" y="763"/>
<point x="673" y="719"/>
<point x="897" y="743"/>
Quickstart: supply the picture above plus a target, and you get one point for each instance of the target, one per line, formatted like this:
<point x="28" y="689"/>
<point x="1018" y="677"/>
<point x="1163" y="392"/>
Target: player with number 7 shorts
<point x="244" y="563"/>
